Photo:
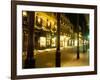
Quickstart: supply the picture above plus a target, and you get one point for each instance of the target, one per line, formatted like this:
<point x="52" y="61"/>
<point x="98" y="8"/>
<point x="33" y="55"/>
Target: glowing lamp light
<point x="48" y="23"/>
<point x="39" y="20"/>
<point x="24" y="13"/>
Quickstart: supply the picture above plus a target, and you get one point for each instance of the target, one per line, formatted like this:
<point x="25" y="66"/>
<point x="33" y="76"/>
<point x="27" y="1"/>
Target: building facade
<point x="45" y="31"/>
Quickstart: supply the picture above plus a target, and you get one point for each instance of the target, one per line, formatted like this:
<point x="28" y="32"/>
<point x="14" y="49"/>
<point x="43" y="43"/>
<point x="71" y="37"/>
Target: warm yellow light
<point x="24" y="13"/>
<point x="54" y="41"/>
<point x="48" y="23"/>
<point x="75" y="42"/>
<point x="62" y="38"/>
<point x="42" y="41"/>
<point x="67" y="38"/>
<point x="39" y="20"/>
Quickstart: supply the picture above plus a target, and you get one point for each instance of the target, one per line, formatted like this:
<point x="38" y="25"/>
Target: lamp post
<point x="58" y="54"/>
<point x="83" y="38"/>
<point x="78" y="56"/>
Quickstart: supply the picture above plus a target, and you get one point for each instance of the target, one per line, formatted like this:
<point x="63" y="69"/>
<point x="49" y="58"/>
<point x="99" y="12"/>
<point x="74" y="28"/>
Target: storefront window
<point x="54" y="42"/>
<point x="42" y="41"/>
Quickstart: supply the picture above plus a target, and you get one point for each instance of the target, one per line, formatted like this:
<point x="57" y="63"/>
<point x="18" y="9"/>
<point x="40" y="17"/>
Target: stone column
<point x="30" y="61"/>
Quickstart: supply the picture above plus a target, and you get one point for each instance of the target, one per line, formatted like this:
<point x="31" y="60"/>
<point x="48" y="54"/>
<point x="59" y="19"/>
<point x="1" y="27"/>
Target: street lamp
<point x="24" y="13"/>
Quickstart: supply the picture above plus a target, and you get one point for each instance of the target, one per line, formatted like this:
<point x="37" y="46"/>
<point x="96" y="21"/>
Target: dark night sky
<point x="83" y="20"/>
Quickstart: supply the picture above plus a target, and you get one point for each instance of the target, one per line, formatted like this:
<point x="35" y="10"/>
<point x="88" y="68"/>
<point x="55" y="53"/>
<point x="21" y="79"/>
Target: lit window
<point x="75" y="42"/>
<point x="42" y="42"/>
